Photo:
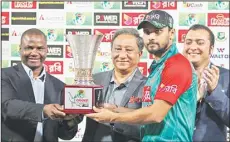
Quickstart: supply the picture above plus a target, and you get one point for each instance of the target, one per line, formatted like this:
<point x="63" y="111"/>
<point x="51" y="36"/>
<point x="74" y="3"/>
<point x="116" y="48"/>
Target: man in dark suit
<point x="122" y="88"/>
<point x="213" y="104"/>
<point x="31" y="98"/>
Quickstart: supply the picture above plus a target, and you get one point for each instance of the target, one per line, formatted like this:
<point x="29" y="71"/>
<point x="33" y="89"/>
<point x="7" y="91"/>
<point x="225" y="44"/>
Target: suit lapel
<point x="50" y="93"/>
<point x="134" y="83"/>
<point x="47" y="85"/>
<point x="89" y="134"/>
<point x="106" y="83"/>
<point x="25" y="82"/>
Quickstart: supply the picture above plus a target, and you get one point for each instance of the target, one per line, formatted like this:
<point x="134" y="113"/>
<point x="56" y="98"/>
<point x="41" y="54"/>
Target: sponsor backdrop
<point x="56" y="19"/>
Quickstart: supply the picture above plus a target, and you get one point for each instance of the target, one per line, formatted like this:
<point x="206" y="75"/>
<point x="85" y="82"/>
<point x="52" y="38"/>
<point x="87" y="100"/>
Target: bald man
<point x="31" y="98"/>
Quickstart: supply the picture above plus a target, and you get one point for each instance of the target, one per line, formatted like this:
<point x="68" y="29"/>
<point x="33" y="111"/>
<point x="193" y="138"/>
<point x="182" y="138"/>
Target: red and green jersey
<point x="173" y="80"/>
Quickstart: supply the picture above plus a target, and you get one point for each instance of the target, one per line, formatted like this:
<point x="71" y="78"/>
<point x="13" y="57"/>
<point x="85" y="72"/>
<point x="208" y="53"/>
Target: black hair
<point x="203" y="27"/>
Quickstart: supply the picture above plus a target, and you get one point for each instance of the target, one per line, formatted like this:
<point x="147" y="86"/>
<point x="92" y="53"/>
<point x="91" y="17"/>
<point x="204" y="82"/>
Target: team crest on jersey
<point x="146" y="96"/>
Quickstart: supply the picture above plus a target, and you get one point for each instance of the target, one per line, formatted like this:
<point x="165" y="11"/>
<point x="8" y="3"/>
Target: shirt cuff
<point x="216" y="98"/>
<point x="43" y="117"/>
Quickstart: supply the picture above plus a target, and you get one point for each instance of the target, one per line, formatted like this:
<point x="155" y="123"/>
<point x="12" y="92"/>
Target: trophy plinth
<point x="80" y="97"/>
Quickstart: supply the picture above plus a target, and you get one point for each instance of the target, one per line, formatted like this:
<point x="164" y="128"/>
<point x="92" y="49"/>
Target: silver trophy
<point x="84" y="93"/>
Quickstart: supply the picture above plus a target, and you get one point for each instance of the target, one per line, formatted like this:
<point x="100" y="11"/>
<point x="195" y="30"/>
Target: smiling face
<point x="125" y="53"/>
<point x="197" y="47"/>
<point x="33" y="50"/>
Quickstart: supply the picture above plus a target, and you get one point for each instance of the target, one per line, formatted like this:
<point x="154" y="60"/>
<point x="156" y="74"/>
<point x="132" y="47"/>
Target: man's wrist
<point x="44" y="116"/>
<point x="115" y="117"/>
<point x="115" y="108"/>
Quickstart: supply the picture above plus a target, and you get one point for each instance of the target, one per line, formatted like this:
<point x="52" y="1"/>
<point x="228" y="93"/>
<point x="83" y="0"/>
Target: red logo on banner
<point x="16" y="33"/>
<point x="163" y="5"/>
<point x="220" y="50"/>
<point x="54" y="67"/>
<point x="218" y="19"/>
<point x="143" y="68"/>
<point x="5" y="18"/>
<point x="146" y="97"/>
<point x="181" y="35"/>
<point x="68" y="53"/>
<point x="132" y="19"/>
<point x="108" y="34"/>
<point x="69" y="2"/>
<point x="23" y="5"/>
<point x="41" y="17"/>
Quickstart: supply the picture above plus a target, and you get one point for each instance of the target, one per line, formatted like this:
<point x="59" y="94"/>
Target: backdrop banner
<point x="58" y="18"/>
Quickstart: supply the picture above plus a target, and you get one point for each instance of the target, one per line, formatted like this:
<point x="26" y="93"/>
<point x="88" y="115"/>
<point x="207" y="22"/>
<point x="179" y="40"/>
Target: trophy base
<point x="80" y="99"/>
<point x="78" y="111"/>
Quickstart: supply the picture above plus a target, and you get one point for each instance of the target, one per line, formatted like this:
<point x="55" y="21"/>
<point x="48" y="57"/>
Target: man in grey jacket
<point x="122" y="87"/>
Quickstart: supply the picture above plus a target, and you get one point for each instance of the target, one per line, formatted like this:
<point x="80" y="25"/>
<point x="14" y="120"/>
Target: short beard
<point x="157" y="52"/>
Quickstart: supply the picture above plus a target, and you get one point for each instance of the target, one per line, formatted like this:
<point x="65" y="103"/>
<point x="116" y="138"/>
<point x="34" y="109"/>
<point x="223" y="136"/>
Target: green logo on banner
<point x="54" y="34"/>
<point x="175" y="38"/>
<point x="189" y="19"/>
<point x="15" y="50"/>
<point x="101" y="66"/>
<point x="144" y="54"/>
<point x="79" y="18"/>
<point x="218" y="5"/>
<point x="5" y="5"/>
<point x="221" y="36"/>
<point x="5" y="63"/>
<point x="106" y="5"/>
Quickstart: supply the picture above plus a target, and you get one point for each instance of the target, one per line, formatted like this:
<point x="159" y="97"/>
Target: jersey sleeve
<point x="176" y="78"/>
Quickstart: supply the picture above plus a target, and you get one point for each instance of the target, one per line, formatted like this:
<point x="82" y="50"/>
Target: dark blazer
<point x="122" y="132"/>
<point x="20" y="113"/>
<point x="213" y="112"/>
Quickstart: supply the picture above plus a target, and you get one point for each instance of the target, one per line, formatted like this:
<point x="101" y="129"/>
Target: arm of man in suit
<point x="219" y="102"/>
<point x="218" y="97"/>
<point x="14" y="108"/>
<point x="68" y="126"/>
